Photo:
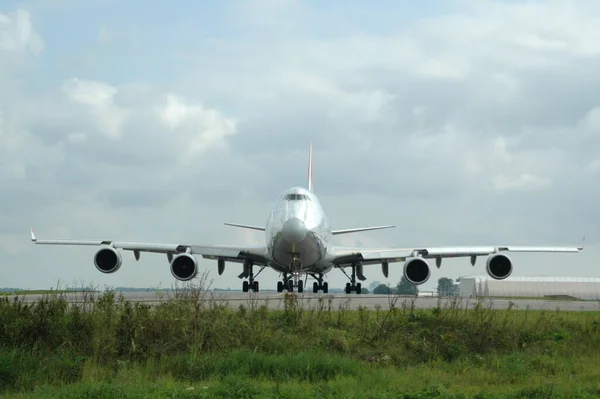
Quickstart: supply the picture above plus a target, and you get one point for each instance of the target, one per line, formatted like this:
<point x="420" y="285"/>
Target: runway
<point x="336" y="301"/>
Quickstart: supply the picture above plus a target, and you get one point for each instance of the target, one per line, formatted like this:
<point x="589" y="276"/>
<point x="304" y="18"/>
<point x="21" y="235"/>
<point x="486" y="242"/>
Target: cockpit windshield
<point x="297" y="197"/>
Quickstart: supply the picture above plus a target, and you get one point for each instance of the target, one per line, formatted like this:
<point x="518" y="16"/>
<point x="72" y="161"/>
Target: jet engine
<point x="184" y="267"/>
<point x="108" y="260"/>
<point x="498" y="266"/>
<point x="416" y="270"/>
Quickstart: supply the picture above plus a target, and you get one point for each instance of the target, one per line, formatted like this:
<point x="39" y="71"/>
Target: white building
<point x="577" y="287"/>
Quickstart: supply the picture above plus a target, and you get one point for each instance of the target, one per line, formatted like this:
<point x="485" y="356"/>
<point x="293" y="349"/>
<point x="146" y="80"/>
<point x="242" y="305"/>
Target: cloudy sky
<point x="460" y="121"/>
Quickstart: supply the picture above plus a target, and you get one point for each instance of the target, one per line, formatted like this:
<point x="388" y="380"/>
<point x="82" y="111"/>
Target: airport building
<point x="576" y="287"/>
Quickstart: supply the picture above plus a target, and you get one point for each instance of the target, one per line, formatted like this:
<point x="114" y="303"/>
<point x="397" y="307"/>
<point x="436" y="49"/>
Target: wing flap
<point x="256" y="253"/>
<point x="447" y="252"/>
<point x="347" y="256"/>
<point x="71" y="242"/>
<point x="128" y="246"/>
<point x="540" y="249"/>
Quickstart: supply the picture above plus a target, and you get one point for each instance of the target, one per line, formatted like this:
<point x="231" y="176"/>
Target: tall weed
<point x="196" y="335"/>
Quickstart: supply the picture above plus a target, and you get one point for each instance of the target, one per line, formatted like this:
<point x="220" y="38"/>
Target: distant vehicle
<point x="298" y="243"/>
<point x="429" y="294"/>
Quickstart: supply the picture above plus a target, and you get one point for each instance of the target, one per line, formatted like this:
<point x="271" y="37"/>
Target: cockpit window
<point x="297" y="197"/>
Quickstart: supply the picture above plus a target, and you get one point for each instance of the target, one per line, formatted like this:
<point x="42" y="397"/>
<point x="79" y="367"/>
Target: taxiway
<point x="275" y="300"/>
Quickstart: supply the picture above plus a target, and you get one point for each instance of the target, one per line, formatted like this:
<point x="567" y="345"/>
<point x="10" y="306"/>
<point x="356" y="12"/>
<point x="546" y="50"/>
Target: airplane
<point x="298" y="243"/>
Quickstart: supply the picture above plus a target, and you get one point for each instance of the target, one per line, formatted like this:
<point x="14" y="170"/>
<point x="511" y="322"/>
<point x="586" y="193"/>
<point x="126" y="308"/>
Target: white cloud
<point x="594" y="166"/>
<point x="92" y="93"/>
<point x="523" y="181"/>
<point x="591" y="120"/>
<point x="8" y="144"/>
<point x="17" y="39"/>
<point x="77" y="137"/>
<point x="98" y="99"/>
<point x="203" y="128"/>
<point x="105" y="35"/>
<point x="17" y="33"/>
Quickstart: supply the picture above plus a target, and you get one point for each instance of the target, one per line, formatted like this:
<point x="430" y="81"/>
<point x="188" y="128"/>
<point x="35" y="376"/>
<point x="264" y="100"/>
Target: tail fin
<point x="310" y="168"/>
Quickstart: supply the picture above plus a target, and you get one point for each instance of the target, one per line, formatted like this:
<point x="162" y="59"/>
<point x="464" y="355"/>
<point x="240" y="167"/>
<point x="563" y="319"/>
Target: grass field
<point x="192" y="347"/>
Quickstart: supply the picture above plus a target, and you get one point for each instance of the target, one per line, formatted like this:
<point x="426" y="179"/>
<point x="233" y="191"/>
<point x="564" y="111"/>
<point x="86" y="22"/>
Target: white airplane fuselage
<point x="298" y="233"/>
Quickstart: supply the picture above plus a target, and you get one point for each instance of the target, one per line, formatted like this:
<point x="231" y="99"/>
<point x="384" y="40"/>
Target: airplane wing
<point x="346" y="256"/>
<point x="230" y="253"/>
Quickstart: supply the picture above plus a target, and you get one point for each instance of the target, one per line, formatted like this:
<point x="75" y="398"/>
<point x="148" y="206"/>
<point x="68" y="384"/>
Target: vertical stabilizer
<point x="310" y="168"/>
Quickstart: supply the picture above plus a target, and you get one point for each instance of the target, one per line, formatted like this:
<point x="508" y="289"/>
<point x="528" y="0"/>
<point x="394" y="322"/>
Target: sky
<point x="462" y="122"/>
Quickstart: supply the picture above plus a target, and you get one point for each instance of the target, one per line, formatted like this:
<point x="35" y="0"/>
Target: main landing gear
<point x="295" y="280"/>
<point x="319" y="285"/>
<point x="248" y="272"/>
<point x="288" y="283"/>
<point x="353" y="286"/>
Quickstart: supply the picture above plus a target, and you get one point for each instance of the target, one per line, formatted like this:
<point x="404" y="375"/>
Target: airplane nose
<point x="294" y="230"/>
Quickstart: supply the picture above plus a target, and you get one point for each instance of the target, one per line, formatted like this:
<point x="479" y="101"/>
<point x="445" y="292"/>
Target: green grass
<point x="109" y="347"/>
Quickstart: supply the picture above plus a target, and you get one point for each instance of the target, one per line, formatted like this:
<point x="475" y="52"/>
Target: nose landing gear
<point x="295" y="281"/>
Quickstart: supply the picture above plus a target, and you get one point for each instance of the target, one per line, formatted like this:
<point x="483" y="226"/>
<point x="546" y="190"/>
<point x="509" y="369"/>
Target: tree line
<point x="445" y="287"/>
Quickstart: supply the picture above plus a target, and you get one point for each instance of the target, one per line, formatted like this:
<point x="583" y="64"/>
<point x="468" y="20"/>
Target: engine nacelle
<point x="416" y="270"/>
<point x="184" y="267"/>
<point x="498" y="266"/>
<point x="108" y="260"/>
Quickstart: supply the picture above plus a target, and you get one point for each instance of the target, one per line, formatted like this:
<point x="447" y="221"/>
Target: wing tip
<point x="580" y="247"/>
<point x="33" y="236"/>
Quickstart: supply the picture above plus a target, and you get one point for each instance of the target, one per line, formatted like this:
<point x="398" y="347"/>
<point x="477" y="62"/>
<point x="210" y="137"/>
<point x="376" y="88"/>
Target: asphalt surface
<point x="274" y="300"/>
